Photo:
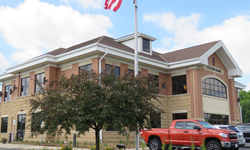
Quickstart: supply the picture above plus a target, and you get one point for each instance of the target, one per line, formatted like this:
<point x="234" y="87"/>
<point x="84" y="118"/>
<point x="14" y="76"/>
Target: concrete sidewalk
<point x="30" y="147"/>
<point x="35" y="147"/>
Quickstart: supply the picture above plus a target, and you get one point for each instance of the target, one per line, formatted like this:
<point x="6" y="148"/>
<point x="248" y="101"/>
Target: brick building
<point x="195" y="82"/>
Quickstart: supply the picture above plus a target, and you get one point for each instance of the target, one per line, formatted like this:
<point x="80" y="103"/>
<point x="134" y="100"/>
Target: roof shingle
<point x="179" y="55"/>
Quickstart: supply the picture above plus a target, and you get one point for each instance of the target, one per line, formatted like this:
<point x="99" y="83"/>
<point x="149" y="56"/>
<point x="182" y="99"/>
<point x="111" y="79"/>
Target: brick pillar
<point x="3" y="90"/>
<point x="232" y="101"/>
<point x="32" y="83"/>
<point x="75" y="69"/>
<point x="50" y="74"/>
<point x="169" y="85"/>
<point x="123" y="68"/>
<point x="12" y="87"/>
<point x="163" y="78"/>
<point x="194" y="88"/>
<point x="144" y="71"/>
<point x="95" y="64"/>
<point x="18" y="85"/>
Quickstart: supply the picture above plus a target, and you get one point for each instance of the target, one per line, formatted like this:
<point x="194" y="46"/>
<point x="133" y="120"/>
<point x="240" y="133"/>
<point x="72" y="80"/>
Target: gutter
<point x="100" y="71"/>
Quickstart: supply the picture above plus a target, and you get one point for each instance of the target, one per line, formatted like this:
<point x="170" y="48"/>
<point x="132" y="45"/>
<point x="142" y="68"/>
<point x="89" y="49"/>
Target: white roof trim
<point x="131" y="36"/>
<point x="233" y="71"/>
<point x="239" y="85"/>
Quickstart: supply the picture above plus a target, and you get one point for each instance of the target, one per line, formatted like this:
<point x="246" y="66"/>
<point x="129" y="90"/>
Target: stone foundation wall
<point x="21" y="105"/>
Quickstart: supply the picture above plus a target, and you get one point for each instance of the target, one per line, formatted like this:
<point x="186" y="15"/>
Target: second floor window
<point x="25" y="86"/>
<point x="117" y="69"/>
<point x="179" y="85"/>
<point x="86" y="67"/>
<point x="214" y="87"/>
<point x="7" y="93"/>
<point x="39" y="78"/>
<point x="156" y="79"/>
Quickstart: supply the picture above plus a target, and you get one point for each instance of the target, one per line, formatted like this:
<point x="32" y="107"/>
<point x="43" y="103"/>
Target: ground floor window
<point x="216" y="119"/>
<point x="4" y="125"/>
<point x="180" y="116"/>
<point x="155" y="120"/>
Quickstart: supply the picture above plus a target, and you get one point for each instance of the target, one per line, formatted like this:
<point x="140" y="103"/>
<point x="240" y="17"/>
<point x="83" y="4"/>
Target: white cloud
<point x="35" y="26"/>
<point x="234" y="32"/>
<point x="248" y="87"/>
<point x="91" y="3"/>
<point x="4" y="63"/>
<point x="88" y="3"/>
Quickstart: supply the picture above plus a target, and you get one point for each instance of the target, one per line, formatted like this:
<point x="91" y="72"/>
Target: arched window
<point x="214" y="87"/>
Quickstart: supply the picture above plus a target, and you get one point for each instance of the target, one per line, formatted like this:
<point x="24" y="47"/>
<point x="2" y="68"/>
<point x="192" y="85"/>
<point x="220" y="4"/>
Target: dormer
<point x="144" y="42"/>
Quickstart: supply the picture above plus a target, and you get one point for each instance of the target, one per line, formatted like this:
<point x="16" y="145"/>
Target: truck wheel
<point x="154" y="144"/>
<point x="213" y="145"/>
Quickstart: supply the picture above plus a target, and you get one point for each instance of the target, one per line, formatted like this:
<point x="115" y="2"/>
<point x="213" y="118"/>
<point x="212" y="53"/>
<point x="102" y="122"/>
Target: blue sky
<point x="32" y="27"/>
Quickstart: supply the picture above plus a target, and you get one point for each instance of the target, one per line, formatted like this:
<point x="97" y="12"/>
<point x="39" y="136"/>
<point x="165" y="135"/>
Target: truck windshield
<point x="233" y="128"/>
<point x="205" y="125"/>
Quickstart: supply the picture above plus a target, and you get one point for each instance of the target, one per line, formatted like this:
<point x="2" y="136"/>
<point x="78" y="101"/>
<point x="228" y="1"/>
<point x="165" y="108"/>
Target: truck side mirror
<point x="197" y="127"/>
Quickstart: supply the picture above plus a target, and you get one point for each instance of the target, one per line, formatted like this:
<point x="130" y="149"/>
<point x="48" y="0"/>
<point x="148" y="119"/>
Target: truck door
<point x="176" y="133"/>
<point x="191" y="135"/>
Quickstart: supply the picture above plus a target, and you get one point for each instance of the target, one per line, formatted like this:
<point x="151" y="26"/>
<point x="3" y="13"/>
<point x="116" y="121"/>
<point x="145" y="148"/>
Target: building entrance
<point x="21" y="127"/>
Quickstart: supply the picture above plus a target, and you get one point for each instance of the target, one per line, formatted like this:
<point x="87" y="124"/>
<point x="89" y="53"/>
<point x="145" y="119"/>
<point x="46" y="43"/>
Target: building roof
<point x="196" y="55"/>
<point x="106" y="41"/>
<point x="188" y="53"/>
<point x="179" y="55"/>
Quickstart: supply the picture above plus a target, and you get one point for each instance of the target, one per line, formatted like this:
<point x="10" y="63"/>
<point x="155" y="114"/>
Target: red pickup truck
<point x="182" y="133"/>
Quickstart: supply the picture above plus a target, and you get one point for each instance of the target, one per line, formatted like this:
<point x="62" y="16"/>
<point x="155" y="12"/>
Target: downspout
<point x="100" y="71"/>
<point x="240" y="108"/>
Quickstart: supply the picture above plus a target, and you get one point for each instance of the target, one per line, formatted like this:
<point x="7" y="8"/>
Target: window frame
<point x="155" y="120"/>
<point x="214" y="87"/>
<point x="5" y="125"/>
<point x="117" y="68"/>
<point x="37" y="87"/>
<point x="146" y="45"/>
<point x="155" y="78"/>
<point x="24" y="86"/>
<point x="180" y="114"/>
<point x="86" y="67"/>
<point x="178" y="84"/>
<point x="216" y="118"/>
<point x="7" y="96"/>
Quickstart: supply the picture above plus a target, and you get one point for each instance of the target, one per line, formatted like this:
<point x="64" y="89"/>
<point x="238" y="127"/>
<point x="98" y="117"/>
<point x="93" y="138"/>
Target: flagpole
<point x="136" y="71"/>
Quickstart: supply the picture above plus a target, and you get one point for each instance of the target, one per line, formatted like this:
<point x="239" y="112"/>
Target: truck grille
<point x="246" y="134"/>
<point x="233" y="136"/>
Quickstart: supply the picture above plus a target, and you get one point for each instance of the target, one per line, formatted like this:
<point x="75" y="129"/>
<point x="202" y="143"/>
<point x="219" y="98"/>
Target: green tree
<point x="88" y="101"/>
<point x="245" y="105"/>
<point x="244" y="95"/>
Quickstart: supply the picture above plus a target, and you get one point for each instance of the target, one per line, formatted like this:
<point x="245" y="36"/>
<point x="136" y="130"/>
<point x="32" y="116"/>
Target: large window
<point x="4" y="126"/>
<point x="216" y="119"/>
<point x="145" y="45"/>
<point x="7" y="93"/>
<point x="39" y="78"/>
<point x="155" y="120"/>
<point x="117" y="69"/>
<point x="214" y="87"/>
<point x="179" y="85"/>
<point x="86" y="67"/>
<point x="25" y="86"/>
